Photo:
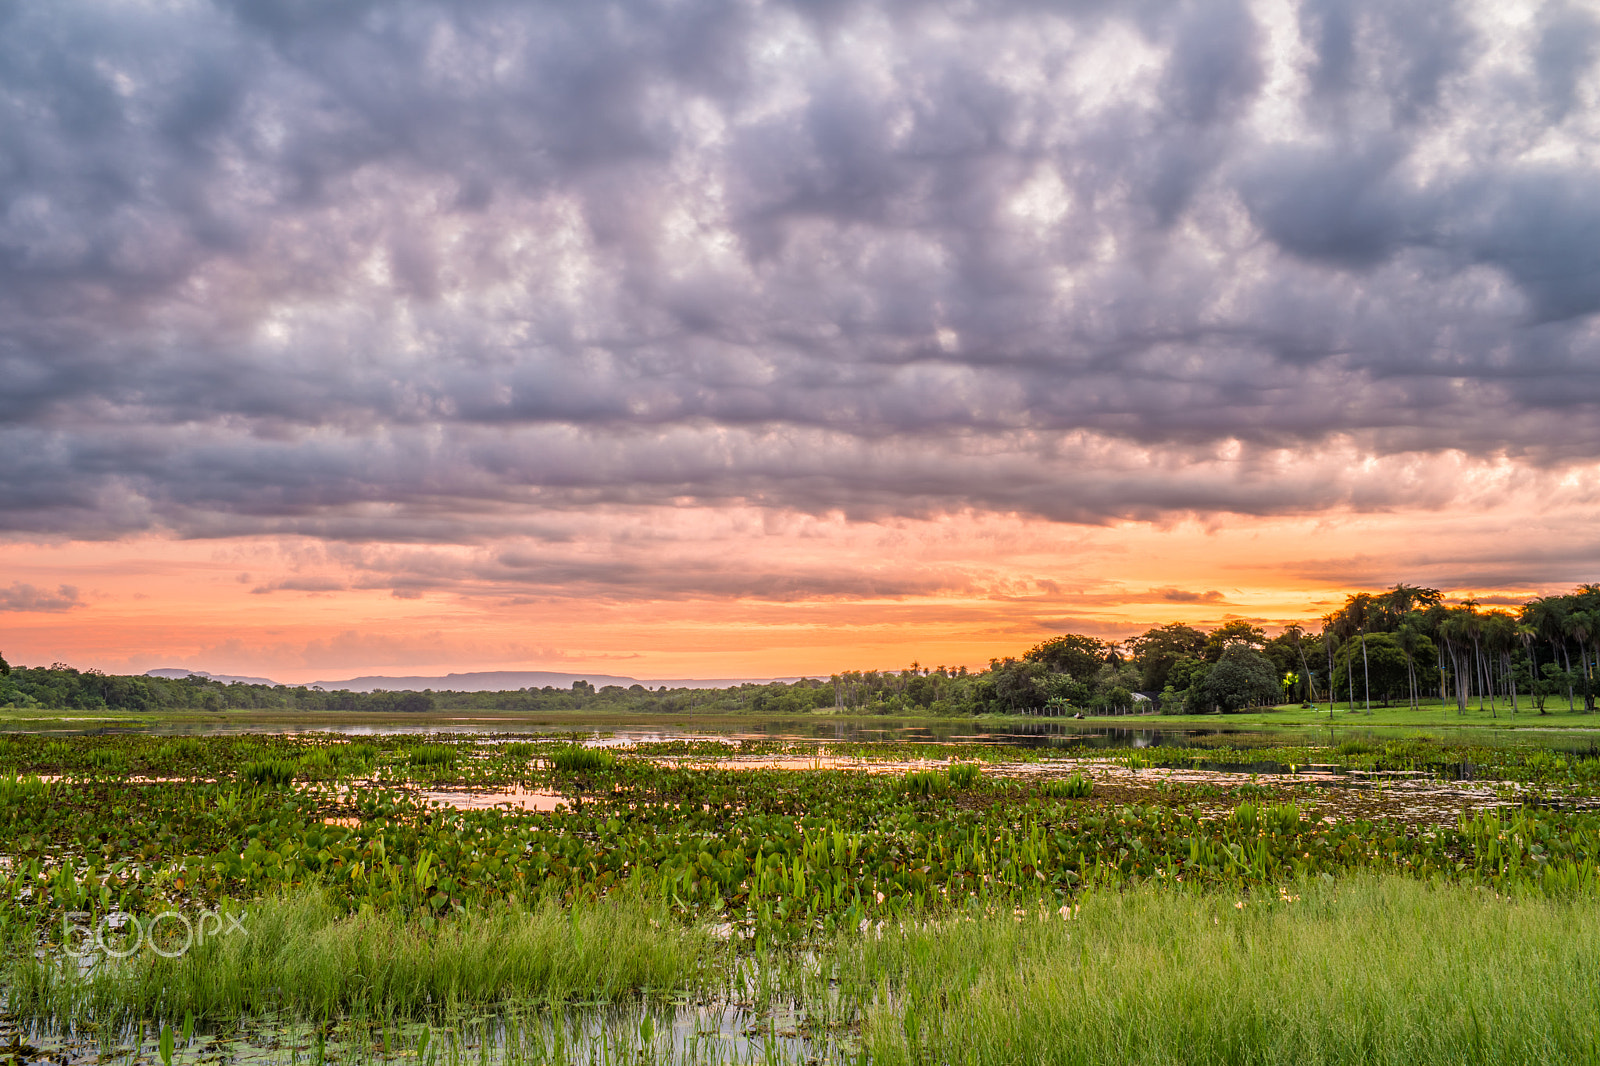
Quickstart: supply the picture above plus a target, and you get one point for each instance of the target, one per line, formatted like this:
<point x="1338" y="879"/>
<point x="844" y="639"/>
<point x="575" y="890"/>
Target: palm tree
<point x="1294" y="633"/>
<point x="1548" y="615"/>
<point x="1526" y="634"/>
<point x="1330" y="638"/>
<point x="1584" y="626"/>
<point x="1409" y="636"/>
<point x="1499" y="638"/>
<point x="1453" y="634"/>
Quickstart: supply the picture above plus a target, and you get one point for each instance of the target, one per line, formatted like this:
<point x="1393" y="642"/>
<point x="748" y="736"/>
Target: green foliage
<point x="1076" y="786"/>
<point x="1070" y="653"/>
<point x="107" y="760"/>
<point x="926" y="782"/>
<point x="1378" y="971"/>
<point x="577" y="758"/>
<point x="182" y="750"/>
<point x="318" y="765"/>
<point x="964" y="774"/>
<point x="272" y="773"/>
<point x="1233" y="634"/>
<point x="359" y="753"/>
<point x="1240" y="678"/>
<point x="299" y="954"/>
<point x="1158" y="649"/>
<point x="431" y="756"/>
<point x="1384" y="671"/>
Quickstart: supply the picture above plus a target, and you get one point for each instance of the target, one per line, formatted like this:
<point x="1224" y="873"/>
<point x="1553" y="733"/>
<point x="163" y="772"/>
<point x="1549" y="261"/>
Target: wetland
<point x="482" y="894"/>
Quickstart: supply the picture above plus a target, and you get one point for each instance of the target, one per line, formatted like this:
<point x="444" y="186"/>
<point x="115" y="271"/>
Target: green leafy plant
<point x="272" y="773"/>
<point x="433" y="756"/>
<point x="964" y="774"/>
<point x="575" y="758"/>
<point x="1075" y="787"/>
<point x="926" y="782"/>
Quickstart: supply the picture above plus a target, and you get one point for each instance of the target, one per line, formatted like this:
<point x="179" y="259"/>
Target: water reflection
<point x="1142" y="731"/>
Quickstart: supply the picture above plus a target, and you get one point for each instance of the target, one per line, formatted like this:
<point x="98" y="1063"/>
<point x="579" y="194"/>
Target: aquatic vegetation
<point x="575" y="758"/>
<point x="296" y="953"/>
<point x="274" y="773"/>
<point x="710" y="869"/>
<point x="430" y="756"/>
<point x="1447" y="976"/>
<point x="964" y="774"/>
<point x="1075" y="787"/>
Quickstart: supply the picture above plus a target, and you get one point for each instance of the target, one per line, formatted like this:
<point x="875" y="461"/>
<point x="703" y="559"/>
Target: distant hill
<point x="178" y="674"/>
<point x="510" y="680"/>
<point x="478" y="681"/>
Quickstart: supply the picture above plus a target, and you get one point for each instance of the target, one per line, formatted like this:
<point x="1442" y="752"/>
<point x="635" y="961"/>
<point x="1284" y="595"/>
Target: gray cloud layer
<point x="399" y="270"/>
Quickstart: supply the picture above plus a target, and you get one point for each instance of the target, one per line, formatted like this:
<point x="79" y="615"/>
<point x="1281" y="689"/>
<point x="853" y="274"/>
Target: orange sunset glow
<point x="515" y="339"/>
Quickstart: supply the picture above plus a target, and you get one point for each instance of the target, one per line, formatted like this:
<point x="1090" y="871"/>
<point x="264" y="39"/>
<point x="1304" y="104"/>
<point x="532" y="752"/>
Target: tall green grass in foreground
<point x="304" y="957"/>
<point x="1366" y="970"/>
<point x="1369" y="970"/>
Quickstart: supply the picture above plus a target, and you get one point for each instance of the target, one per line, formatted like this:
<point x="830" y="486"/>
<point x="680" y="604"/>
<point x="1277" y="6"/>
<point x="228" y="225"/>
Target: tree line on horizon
<point x="1405" y="643"/>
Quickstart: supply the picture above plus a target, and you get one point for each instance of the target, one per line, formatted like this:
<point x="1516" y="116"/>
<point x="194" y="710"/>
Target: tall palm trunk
<point x="1511" y="679"/>
<point x="1478" y="674"/>
<point x="1366" y="673"/>
<point x="1566" y="655"/>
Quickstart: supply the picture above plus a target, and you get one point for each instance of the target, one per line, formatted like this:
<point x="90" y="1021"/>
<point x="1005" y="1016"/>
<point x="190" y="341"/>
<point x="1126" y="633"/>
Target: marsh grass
<point x="432" y="756"/>
<point x="575" y="758"/>
<point x="304" y="958"/>
<point x="273" y="773"/>
<point x="964" y="774"/>
<point x="1369" y="969"/>
<point x="1075" y="787"/>
<point x="1366" y="970"/>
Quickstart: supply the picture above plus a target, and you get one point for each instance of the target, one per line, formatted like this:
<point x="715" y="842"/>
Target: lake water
<point x="1088" y="734"/>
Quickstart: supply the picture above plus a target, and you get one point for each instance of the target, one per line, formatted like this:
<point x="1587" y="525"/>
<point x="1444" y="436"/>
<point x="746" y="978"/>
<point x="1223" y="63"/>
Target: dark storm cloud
<point x="419" y="270"/>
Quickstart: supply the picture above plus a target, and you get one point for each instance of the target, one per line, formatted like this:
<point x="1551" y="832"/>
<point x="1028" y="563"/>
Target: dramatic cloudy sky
<point x="676" y="337"/>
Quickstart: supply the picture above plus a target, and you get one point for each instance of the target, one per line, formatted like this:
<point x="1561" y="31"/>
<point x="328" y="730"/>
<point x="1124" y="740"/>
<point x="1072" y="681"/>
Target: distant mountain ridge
<point x="178" y="673"/>
<point x="480" y="681"/>
<point x="511" y="680"/>
<point x="476" y="681"/>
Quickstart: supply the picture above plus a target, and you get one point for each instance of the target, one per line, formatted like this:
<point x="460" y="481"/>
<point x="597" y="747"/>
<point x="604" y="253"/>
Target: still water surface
<point x="1104" y="733"/>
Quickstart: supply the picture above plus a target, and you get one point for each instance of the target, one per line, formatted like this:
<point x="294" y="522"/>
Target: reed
<point x="1370" y="970"/>
<point x="306" y="958"/>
